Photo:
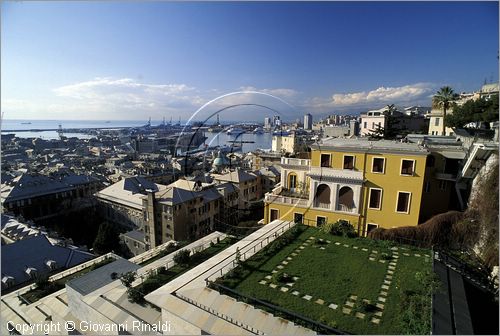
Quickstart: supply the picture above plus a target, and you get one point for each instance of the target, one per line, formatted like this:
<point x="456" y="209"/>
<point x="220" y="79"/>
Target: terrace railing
<point x="287" y="314"/>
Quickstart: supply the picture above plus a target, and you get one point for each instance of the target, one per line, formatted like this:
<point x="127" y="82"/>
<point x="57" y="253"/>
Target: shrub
<point x="340" y="228"/>
<point x="281" y="277"/>
<point x="128" y="278"/>
<point x="182" y="257"/>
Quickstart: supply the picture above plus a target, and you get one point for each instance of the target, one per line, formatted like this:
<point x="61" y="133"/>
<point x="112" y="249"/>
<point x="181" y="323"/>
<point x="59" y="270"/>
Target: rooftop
<point x="365" y="145"/>
<point x="102" y="276"/>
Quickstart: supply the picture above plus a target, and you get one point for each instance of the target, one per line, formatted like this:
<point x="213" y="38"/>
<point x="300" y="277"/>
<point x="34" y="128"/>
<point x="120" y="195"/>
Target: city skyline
<point x="129" y="61"/>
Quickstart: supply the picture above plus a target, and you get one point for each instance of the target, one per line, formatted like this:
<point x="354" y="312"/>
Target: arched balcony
<point x="322" y="197"/>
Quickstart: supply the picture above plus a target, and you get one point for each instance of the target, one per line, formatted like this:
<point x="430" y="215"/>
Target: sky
<point x="133" y="60"/>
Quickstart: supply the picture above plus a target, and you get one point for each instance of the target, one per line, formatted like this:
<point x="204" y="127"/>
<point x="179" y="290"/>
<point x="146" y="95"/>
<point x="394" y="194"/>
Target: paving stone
<point x="364" y="249"/>
<point x="395" y="257"/>
<point x="290" y="284"/>
<point x="295" y="293"/>
<point x="295" y="278"/>
<point x="328" y="241"/>
<point x="379" y="313"/>
<point x="273" y="285"/>
<point x="284" y="262"/>
<point x="301" y="247"/>
<point x="353" y="297"/>
<point x="394" y="248"/>
<point x="360" y="315"/>
<point x="426" y="255"/>
<point x="294" y="254"/>
<point x="392" y="263"/>
<point x="288" y="258"/>
<point x="381" y="299"/>
<point x="375" y="320"/>
<point x="280" y="267"/>
<point x="417" y="255"/>
<point x="284" y="289"/>
<point x="385" y="287"/>
<point x="406" y="254"/>
<point x="274" y="271"/>
<point x="319" y="301"/>
<point x="321" y="248"/>
<point x="366" y="301"/>
<point x="383" y="293"/>
<point x="337" y="243"/>
<point x="307" y="297"/>
<point x="355" y="247"/>
<point x="388" y="277"/>
<point x="311" y="237"/>
<point x="374" y="251"/>
<point x="371" y="259"/>
<point x="387" y="282"/>
<point x="263" y="282"/>
<point x="381" y="261"/>
<point x="345" y="245"/>
<point x="332" y="306"/>
<point x="346" y="311"/>
<point x="321" y="239"/>
<point x="395" y="252"/>
<point x="390" y="272"/>
<point x="392" y="267"/>
<point x="268" y="277"/>
<point x="379" y="305"/>
<point x="349" y="304"/>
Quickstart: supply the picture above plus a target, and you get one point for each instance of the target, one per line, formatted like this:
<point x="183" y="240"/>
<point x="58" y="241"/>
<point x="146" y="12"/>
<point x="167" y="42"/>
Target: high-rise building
<point x="267" y="123"/>
<point x="308" y="121"/>
<point x="277" y="121"/>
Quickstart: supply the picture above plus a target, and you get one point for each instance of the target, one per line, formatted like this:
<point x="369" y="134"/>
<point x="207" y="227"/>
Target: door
<point x="298" y="218"/>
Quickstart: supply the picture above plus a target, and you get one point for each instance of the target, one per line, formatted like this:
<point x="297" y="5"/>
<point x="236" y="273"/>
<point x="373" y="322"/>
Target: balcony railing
<point x="322" y="205"/>
<point x="345" y="208"/>
<point x="296" y="162"/>
<point x="445" y="176"/>
<point x="272" y="198"/>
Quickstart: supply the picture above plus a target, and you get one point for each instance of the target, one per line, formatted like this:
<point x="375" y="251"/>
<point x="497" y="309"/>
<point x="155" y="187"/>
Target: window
<point x="378" y="165"/>
<point x="436" y="122"/>
<point x="320" y="221"/>
<point x="298" y="218"/>
<point x="407" y="167"/>
<point x="348" y="162"/>
<point x="403" y="204"/>
<point x="274" y="214"/>
<point x="365" y="124"/>
<point x="375" y="200"/>
<point x="371" y="227"/>
<point x="325" y="160"/>
<point x="427" y="187"/>
<point x="292" y="181"/>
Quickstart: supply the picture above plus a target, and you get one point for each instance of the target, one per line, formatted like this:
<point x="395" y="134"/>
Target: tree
<point x="182" y="257"/>
<point x="107" y="239"/>
<point x="444" y="99"/>
<point x="473" y="111"/>
<point x="388" y="131"/>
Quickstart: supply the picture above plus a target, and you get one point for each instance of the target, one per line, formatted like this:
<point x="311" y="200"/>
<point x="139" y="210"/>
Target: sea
<point x="249" y="141"/>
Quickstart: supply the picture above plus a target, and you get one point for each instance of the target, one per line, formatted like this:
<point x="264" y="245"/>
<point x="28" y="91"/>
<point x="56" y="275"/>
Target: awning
<point x="456" y="155"/>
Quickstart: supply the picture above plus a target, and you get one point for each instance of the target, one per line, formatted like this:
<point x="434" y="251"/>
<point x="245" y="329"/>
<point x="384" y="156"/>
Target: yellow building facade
<point x="369" y="184"/>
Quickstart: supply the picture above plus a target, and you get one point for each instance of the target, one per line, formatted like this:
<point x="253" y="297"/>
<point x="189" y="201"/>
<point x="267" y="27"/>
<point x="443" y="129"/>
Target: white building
<point x="308" y="120"/>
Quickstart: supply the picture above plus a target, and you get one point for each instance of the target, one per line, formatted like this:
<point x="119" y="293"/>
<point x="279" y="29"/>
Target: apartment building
<point x="369" y="184"/>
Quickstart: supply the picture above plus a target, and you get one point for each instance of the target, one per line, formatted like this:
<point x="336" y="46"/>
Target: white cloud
<point x="406" y="94"/>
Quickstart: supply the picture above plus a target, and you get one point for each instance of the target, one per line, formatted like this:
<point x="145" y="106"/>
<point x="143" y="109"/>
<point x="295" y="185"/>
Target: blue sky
<point x="131" y="60"/>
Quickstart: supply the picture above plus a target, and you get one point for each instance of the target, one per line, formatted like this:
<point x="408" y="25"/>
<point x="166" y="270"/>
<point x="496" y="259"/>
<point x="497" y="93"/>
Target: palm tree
<point x="444" y="99"/>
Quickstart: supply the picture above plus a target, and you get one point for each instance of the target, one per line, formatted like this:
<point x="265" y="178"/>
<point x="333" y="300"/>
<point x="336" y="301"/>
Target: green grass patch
<point x="164" y="276"/>
<point x="333" y="273"/>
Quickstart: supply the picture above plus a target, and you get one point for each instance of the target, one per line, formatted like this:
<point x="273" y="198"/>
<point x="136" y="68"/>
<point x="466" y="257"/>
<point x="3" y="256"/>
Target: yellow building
<point x="368" y="184"/>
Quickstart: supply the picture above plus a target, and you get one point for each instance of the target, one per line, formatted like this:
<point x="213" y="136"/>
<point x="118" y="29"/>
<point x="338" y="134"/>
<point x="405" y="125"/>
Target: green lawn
<point x="334" y="273"/>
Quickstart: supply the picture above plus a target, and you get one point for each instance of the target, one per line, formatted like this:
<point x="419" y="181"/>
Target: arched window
<point x="322" y="196"/>
<point x="346" y="199"/>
